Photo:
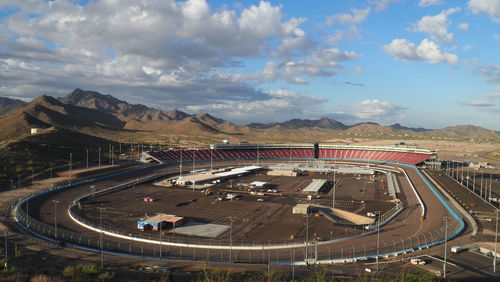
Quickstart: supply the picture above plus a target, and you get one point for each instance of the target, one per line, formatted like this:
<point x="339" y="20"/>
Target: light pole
<point x="180" y="166"/>
<point x="496" y="240"/>
<point x="445" y="244"/>
<point x="491" y="176"/>
<point x="194" y="159"/>
<point x="19" y="181"/>
<point x="231" y="218"/>
<point x="160" y="224"/>
<point x="101" y="237"/>
<point x="378" y="235"/>
<point x="55" y="217"/>
<point x="334" y="189"/>
<point x="99" y="156"/>
<point x="6" y="253"/>
<point x="211" y="159"/>
<point x="258" y="147"/>
<point x="70" y="161"/>
<point x="27" y="212"/>
<point x="481" y="184"/>
<point x="307" y="233"/>
<point x="87" y="158"/>
<point x="13" y="194"/>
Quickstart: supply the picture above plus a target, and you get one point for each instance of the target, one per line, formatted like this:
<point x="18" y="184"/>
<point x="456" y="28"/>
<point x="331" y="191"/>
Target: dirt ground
<point x="259" y="221"/>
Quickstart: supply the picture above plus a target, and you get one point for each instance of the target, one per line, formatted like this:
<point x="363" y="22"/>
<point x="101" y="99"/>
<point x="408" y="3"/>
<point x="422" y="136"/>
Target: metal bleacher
<point x="339" y="152"/>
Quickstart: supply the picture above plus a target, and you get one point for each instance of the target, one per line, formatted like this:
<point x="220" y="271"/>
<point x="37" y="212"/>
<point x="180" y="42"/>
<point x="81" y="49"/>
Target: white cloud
<point x="490" y="7"/>
<point x="356" y="16"/>
<point x="352" y="33"/>
<point x="427" y="50"/>
<point x="437" y="26"/>
<point x="427" y="3"/>
<point x="281" y="104"/>
<point x="175" y="53"/>
<point x="464" y="26"/>
<point x="484" y="101"/>
<point x="371" y="110"/>
<point x="467" y="47"/>
<point x="496" y="37"/>
<point x="322" y="63"/>
<point x="381" y="5"/>
<point x="490" y="72"/>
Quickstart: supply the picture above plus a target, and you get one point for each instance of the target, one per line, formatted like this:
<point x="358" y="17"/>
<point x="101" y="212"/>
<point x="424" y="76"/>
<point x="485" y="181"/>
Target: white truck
<point x="417" y="261"/>
<point x="456" y="249"/>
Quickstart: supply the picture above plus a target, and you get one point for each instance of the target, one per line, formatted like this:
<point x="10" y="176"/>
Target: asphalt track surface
<point x="405" y="230"/>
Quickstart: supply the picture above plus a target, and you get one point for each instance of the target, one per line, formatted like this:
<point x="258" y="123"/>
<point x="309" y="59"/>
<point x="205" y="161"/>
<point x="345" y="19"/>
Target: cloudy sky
<point x="429" y="63"/>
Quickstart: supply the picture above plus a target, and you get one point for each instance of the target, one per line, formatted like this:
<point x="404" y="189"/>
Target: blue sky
<point x="422" y="63"/>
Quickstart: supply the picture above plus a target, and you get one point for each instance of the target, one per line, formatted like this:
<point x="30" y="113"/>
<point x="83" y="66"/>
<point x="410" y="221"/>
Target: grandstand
<point x="296" y="151"/>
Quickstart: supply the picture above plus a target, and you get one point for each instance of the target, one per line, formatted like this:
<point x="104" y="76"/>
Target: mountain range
<point x="83" y="121"/>
<point x="104" y="116"/>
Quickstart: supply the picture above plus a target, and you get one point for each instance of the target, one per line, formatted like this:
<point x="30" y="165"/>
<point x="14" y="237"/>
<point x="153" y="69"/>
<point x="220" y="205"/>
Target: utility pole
<point x="445" y="244"/>
<point x="99" y="156"/>
<point x="87" y="158"/>
<point x="378" y="236"/>
<point x="19" y="181"/>
<point x="55" y="216"/>
<point x="70" y="161"/>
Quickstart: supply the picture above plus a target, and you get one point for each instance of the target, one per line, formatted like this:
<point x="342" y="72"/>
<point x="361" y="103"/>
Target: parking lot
<point x="267" y="219"/>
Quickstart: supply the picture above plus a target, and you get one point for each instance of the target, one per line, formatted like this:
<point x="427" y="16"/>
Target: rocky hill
<point x="7" y="104"/>
<point x="325" y="123"/>
<point x="109" y="104"/>
<point x="46" y="111"/>
<point x="467" y="131"/>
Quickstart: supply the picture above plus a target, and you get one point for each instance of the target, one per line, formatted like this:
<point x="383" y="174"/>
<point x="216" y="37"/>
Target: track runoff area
<point x="274" y="204"/>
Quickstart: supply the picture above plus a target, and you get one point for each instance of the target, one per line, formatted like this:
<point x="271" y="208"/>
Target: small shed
<point x="317" y="186"/>
<point x="159" y="222"/>
<point x="300" y="209"/>
<point x="258" y="184"/>
<point x="36" y="130"/>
